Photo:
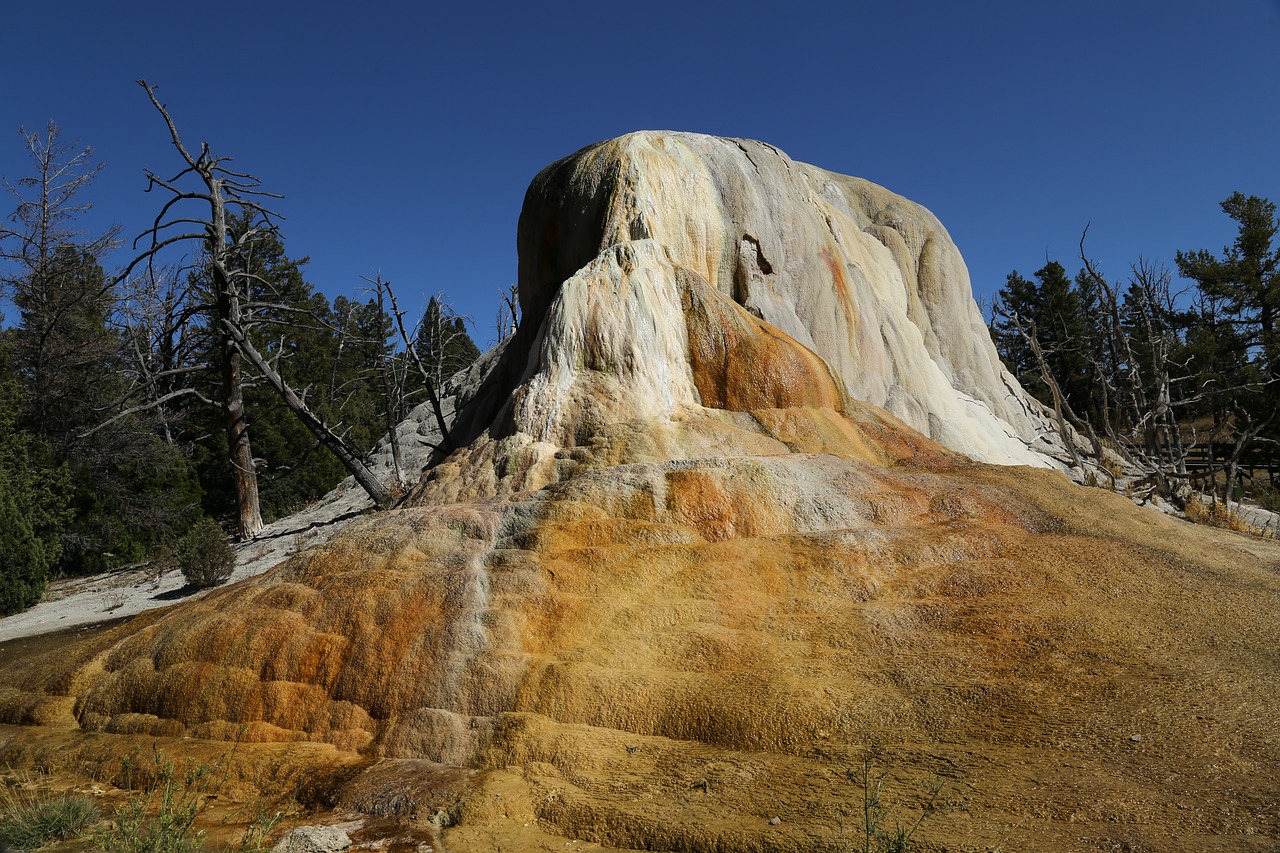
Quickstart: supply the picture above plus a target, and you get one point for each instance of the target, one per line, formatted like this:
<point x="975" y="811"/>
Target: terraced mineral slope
<point x="682" y="575"/>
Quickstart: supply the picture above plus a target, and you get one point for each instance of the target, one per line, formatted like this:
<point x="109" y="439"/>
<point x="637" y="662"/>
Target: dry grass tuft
<point x="31" y="817"/>
<point x="1218" y="514"/>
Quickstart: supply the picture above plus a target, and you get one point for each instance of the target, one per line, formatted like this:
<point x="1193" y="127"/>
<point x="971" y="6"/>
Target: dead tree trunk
<point x="221" y="187"/>
<point x="326" y="436"/>
<point x="226" y="263"/>
<point x="446" y="442"/>
<point x="1061" y="409"/>
<point x="239" y="447"/>
<point x="1245" y="435"/>
<point x="392" y="395"/>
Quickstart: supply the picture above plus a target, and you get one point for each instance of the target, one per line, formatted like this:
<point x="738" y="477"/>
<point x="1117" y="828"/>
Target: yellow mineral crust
<point x="668" y="654"/>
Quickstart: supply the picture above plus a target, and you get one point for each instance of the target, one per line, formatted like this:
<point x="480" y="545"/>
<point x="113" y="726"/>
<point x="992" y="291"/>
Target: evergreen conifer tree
<point x="1053" y="307"/>
<point x="24" y="566"/>
<point x="442" y="341"/>
<point x="34" y="510"/>
<point x="1245" y="280"/>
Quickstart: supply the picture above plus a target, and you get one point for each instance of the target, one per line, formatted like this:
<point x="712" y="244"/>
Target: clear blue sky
<point x="403" y="135"/>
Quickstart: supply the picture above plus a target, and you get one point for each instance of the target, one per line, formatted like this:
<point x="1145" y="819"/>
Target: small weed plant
<point x="258" y="829"/>
<point x="31" y="818"/>
<point x="877" y="835"/>
<point x="161" y="816"/>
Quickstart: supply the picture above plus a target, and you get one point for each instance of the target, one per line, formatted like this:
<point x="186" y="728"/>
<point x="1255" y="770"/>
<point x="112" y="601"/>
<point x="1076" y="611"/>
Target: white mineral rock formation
<point x="614" y="239"/>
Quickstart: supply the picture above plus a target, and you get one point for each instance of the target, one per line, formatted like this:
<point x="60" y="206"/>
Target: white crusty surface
<point x="868" y="280"/>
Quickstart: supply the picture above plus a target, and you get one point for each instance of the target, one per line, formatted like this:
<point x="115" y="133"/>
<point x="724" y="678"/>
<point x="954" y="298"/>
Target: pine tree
<point x="330" y="353"/>
<point x="65" y="353"/>
<point x="233" y="228"/>
<point x="64" y="349"/>
<point x="1053" y="308"/>
<point x="1014" y="303"/>
<point x="442" y="341"/>
<point x="34" y="509"/>
<point x="1246" y="279"/>
<point x="24" y="566"/>
<point x="1237" y="343"/>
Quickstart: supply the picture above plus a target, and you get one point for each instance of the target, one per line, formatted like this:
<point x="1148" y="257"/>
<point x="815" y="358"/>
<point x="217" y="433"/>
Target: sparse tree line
<point x="1174" y="385"/>
<point x="204" y="378"/>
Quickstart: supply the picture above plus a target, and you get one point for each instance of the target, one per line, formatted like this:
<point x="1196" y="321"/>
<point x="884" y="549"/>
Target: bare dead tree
<point x="508" y="320"/>
<point x="392" y="391"/>
<point x="47" y="204"/>
<point x="1153" y="299"/>
<point x="323" y="433"/>
<point x="1062" y="411"/>
<point x="430" y="382"/>
<point x="1247" y="430"/>
<point x="218" y="192"/>
<point x="441" y="340"/>
<point x="222" y="198"/>
<point x="1153" y="393"/>
<point x="1118" y="338"/>
<point x="1155" y="443"/>
<point x="156" y="319"/>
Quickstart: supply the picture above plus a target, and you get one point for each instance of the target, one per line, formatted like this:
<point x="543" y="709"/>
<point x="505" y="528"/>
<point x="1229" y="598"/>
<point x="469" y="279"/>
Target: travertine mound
<point x="864" y="278"/>
<point x="680" y="576"/>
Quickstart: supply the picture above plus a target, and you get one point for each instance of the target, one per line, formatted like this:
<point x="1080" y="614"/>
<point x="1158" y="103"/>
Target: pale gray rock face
<point x="868" y="280"/>
<point x="313" y="839"/>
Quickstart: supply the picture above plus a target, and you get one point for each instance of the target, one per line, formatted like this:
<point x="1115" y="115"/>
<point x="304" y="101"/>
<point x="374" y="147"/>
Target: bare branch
<point x="150" y="404"/>
<point x="412" y="352"/>
<point x="322" y="432"/>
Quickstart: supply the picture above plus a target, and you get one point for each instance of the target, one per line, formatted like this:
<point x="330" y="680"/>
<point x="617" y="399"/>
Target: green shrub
<point x="38" y="490"/>
<point x="166" y="802"/>
<point x="31" y="820"/>
<point x="257" y="832"/>
<point x="205" y="556"/>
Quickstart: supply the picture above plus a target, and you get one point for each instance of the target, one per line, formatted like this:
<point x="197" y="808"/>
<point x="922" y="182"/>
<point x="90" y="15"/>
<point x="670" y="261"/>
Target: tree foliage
<point x="26" y="565"/>
<point x="126" y="489"/>
<point x="1244" y="283"/>
<point x="127" y="396"/>
<point x="1055" y="309"/>
<point x="243" y="284"/>
<point x="124" y="399"/>
<point x="1148" y="371"/>
<point x="442" y="340"/>
<point x="34" y="509"/>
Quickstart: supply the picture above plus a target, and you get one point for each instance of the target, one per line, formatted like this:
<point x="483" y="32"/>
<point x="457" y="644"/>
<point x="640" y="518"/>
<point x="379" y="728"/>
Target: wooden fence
<point x="1202" y="456"/>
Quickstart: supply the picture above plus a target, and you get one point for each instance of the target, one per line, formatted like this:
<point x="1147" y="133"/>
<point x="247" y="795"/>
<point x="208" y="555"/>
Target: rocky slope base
<point x="680" y="578"/>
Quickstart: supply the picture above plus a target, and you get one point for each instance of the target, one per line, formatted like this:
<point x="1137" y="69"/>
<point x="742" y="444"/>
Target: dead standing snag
<point x="231" y="196"/>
